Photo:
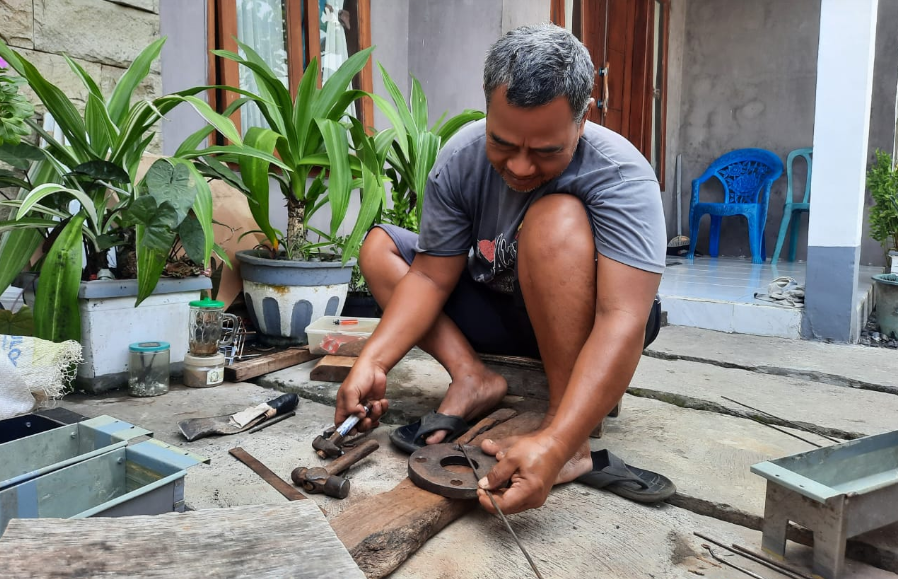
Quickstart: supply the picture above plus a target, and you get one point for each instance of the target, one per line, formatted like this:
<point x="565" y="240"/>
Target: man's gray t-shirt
<point x="469" y="209"/>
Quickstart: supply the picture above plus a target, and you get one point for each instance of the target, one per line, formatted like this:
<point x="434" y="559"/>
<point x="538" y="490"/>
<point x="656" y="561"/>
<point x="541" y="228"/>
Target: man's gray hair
<point x="539" y="63"/>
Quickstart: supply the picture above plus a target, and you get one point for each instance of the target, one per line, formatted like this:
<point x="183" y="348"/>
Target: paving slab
<point x="838" y="364"/>
<point x="832" y="410"/>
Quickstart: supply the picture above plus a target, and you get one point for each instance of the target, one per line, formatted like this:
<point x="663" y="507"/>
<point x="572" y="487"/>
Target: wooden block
<point x="332" y="368"/>
<point x="287" y="540"/>
<point x="254" y="367"/>
<point x="383" y="530"/>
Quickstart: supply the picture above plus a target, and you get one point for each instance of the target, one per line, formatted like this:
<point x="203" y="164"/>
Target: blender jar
<point x="204" y="331"/>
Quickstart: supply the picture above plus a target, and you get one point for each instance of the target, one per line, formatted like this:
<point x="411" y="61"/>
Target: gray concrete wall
<point x="447" y="41"/>
<point x="389" y="34"/>
<point x="883" y="113"/>
<point x="186" y="60"/>
<point x="748" y="81"/>
<point x="676" y="46"/>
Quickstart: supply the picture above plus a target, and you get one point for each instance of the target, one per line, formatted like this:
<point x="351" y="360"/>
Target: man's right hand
<point x="366" y="383"/>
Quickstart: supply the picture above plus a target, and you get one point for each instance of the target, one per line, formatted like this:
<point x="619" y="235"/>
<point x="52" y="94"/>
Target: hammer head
<point x="316" y="480"/>
<point x="328" y="447"/>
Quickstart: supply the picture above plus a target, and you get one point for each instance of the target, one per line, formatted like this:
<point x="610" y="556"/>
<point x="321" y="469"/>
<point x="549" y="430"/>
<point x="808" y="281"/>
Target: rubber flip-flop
<point x="611" y="473"/>
<point x="410" y="437"/>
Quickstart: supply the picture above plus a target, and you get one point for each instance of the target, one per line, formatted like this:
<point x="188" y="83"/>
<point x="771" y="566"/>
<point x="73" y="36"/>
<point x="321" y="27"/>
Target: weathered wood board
<point x="333" y="368"/>
<point x="254" y="367"/>
<point x="286" y="540"/>
<point x="384" y="530"/>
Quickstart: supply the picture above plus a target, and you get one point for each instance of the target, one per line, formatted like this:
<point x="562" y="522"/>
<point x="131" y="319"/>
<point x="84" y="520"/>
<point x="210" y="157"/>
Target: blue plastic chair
<point x="746" y="176"/>
<point x="791" y="208"/>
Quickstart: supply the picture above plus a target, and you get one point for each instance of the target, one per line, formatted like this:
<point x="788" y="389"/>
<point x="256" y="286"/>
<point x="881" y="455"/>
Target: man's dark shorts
<point x="493" y="322"/>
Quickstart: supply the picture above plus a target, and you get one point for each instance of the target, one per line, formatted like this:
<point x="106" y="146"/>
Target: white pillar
<point x="845" y="57"/>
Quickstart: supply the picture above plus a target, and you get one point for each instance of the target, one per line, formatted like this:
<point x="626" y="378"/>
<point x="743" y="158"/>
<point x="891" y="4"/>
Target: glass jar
<point x="148" y="368"/>
<point x="204" y="326"/>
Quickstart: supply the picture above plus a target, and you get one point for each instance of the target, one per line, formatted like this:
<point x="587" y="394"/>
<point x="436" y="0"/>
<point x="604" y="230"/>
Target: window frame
<point x="222" y="32"/>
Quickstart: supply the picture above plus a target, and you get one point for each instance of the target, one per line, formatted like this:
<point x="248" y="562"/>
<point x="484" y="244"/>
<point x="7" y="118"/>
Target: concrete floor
<point x="674" y="421"/>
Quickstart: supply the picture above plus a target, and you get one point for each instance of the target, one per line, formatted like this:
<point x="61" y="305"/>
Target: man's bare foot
<point x="470" y="394"/>
<point x="578" y="465"/>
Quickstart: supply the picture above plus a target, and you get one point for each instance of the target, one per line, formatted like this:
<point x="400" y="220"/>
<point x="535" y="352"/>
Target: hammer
<point x="325" y="479"/>
<point x="333" y="446"/>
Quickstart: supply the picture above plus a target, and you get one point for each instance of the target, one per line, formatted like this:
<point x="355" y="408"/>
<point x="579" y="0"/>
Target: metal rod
<point x="501" y="514"/>
<point x="752" y="557"/>
<point x="270" y="421"/>
<point x="764" y="560"/>
<point x="728" y="564"/>
<point x="767" y="424"/>
<point x="794" y="425"/>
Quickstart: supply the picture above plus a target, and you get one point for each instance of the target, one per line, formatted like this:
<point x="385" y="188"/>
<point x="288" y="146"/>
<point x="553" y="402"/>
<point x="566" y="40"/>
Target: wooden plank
<point x="332" y="368"/>
<point x="247" y="369"/>
<point x="382" y="531"/>
<point x="313" y="37"/>
<point x="366" y="76"/>
<point x="287" y="540"/>
<point x="295" y="46"/>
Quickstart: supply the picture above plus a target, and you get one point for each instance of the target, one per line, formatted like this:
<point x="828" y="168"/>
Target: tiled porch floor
<point x="718" y="294"/>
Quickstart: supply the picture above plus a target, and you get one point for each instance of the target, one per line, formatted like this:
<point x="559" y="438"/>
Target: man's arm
<point x="600" y="377"/>
<point x="414" y="307"/>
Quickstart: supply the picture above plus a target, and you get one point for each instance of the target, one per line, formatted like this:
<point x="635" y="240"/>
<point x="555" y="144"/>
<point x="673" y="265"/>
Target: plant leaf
<point x="20" y="323"/>
<point x="197" y="138"/>
<point x="21" y="155"/>
<point x="373" y="198"/>
<point x="158" y="220"/>
<point x="428" y="147"/>
<point x="170" y="182"/>
<point x="338" y="83"/>
<point x="102" y="171"/>
<point x="120" y="99"/>
<point x="27" y="223"/>
<point x="339" y="176"/>
<point x="202" y="210"/>
<point x="56" y="313"/>
<point x="419" y="105"/>
<point x="223" y="124"/>
<point x="47" y="189"/>
<point x="254" y="172"/>
<point x="192" y="239"/>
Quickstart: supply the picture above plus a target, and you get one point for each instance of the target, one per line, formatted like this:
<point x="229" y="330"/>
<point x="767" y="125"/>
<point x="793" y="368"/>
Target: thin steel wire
<point x="501" y="514"/>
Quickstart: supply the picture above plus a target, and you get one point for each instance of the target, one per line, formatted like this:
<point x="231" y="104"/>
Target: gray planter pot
<point x="283" y="297"/>
<point x="887" y="303"/>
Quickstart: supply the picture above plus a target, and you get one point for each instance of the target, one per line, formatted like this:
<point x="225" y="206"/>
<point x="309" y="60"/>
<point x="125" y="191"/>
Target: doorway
<point x="627" y="40"/>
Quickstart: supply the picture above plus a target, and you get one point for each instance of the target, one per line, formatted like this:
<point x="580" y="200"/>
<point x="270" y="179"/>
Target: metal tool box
<point x="838" y="492"/>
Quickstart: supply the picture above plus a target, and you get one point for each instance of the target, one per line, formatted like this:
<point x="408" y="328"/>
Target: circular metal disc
<point x="427" y="469"/>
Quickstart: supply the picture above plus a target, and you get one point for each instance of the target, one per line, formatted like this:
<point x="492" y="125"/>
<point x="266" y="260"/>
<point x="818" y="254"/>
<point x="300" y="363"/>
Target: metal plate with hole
<point x="427" y="469"/>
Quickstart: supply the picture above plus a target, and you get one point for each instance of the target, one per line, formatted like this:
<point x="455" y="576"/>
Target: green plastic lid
<point x="206" y="302"/>
<point x="149" y="346"/>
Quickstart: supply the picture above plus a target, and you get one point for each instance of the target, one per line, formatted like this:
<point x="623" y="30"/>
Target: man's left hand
<point x="531" y="463"/>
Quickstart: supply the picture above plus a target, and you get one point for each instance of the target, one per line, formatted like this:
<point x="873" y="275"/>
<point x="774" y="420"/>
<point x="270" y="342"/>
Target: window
<point x="284" y="35"/>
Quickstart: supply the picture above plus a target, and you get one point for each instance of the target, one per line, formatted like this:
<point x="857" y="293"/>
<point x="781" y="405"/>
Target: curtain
<point x="261" y="25"/>
<point x="333" y="50"/>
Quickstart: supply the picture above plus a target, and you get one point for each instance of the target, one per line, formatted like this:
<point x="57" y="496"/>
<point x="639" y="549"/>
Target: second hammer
<point x="326" y="479"/>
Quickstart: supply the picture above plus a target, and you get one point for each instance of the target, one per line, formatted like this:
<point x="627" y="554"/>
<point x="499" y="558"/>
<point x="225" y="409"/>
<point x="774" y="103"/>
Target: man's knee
<point x="556" y="225"/>
<point x="377" y="244"/>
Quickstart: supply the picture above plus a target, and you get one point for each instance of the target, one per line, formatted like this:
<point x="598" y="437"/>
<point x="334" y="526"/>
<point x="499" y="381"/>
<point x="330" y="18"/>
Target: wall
<point x="883" y="115"/>
<point x="748" y="81"/>
<point x="675" y="65"/>
<point x="103" y="37"/>
<point x="184" y="23"/>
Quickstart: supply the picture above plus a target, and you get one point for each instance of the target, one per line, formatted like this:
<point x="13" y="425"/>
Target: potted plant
<point x="318" y="155"/>
<point x="882" y="181"/>
<point x="97" y="167"/>
<point x="410" y="157"/>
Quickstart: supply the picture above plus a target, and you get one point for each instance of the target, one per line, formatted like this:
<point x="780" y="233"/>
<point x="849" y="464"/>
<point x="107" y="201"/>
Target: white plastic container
<point x="340" y="335"/>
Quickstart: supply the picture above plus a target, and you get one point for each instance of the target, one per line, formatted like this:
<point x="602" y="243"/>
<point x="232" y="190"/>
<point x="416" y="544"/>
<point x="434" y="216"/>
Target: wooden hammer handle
<point x="351" y="457"/>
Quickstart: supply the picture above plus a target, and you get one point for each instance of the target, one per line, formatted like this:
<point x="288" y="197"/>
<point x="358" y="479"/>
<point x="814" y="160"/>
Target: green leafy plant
<point x="311" y="132"/>
<point x="414" y="149"/>
<point x="14" y="108"/>
<point x="882" y="181"/>
<point x="97" y="166"/>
